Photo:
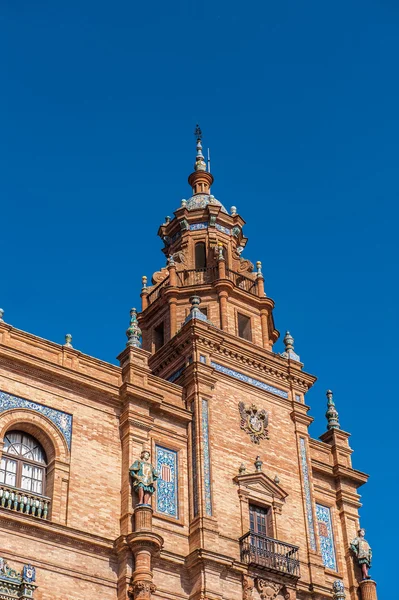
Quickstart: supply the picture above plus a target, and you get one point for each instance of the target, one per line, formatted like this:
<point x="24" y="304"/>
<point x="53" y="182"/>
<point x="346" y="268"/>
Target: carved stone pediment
<point x="258" y="486"/>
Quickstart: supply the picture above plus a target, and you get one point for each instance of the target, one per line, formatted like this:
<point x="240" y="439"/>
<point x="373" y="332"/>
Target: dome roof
<point x="201" y="201"/>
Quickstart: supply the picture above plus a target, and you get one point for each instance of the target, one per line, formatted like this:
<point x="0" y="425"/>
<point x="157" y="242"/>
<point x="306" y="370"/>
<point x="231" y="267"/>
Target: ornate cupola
<point x="204" y="247"/>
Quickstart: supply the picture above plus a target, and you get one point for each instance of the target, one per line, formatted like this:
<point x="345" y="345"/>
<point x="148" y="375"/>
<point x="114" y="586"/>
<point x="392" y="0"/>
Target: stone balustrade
<point x="24" y="502"/>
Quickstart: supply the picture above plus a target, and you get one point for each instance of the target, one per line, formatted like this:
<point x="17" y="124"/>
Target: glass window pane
<point x="37" y="487"/>
<point x="10" y="478"/>
<point x="14" y="449"/>
<point x="37" y="473"/>
<point x="26" y="483"/>
<point x="2" y="476"/>
<point x="3" y="463"/>
<point x="27" y="470"/>
<point x="11" y="465"/>
<point x="38" y="454"/>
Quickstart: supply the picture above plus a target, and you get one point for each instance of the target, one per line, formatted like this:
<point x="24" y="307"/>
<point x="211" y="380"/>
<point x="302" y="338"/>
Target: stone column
<point x="223" y="310"/>
<point x="144" y="544"/>
<point x="264" y="315"/>
<point x="368" y="589"/>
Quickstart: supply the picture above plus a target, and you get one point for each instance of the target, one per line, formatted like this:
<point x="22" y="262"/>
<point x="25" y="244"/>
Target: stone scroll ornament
<point x="254" y="422"/>
<point x="144" y="476"/>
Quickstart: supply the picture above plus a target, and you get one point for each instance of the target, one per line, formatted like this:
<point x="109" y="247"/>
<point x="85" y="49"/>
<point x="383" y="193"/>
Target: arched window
<point x="23" y="464"/>
<point x="200" y="256"/>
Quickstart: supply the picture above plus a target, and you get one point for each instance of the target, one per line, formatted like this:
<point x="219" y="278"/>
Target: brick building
<point x="247" y="504"/>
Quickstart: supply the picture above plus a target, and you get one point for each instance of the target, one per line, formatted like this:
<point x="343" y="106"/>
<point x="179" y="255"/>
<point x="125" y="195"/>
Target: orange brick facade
<point x="182" y="391"/>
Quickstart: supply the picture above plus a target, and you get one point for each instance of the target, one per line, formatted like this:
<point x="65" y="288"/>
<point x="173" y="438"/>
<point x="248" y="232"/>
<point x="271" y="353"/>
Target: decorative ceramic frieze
<point x="15" y="585"/>
<point x="206" y="458"/>
<point x="246" y="379"/>
<point x="198" y="226"/>
<point x="167" y="483"/>
<point x="326" y="537"/>
<point x="308" y="498"/>
<point x="62" y="420"/>
<point x="223" y="229"/>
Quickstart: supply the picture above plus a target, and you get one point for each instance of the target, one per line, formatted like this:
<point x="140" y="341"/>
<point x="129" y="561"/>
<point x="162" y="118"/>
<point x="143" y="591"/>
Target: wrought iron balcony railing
<point x="270" y="554"/>
<point x="24" y="502"/>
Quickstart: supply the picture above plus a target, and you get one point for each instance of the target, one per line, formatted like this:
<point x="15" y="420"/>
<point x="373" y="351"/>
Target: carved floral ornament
<point x="254" y="422"/>
<point x="268" y="590"/>
<point x="142" y="589"/>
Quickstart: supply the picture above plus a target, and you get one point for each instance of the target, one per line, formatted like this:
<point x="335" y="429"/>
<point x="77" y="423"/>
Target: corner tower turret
<point x="204" y="246"/>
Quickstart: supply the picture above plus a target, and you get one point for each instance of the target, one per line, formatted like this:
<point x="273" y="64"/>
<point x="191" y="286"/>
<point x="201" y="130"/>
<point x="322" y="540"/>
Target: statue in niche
<point x="144" y="476"/>
<point x="362" y="551"/>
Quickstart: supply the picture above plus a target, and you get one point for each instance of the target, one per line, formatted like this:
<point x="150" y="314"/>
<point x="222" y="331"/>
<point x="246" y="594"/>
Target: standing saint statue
<point x="361" y="549"/>
<point x="144" y="476"/>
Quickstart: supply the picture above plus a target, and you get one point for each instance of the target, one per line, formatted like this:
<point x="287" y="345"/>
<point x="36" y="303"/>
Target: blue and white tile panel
<point x="195" y="467"/>
<point x="223" y="229"/>
<point x="199" y="226"/>
<point x="308" y="498"/>
<point x="326" y="537"/>
<point x="206" y="458"/>
<point x="62" y="420"/>
<point x="167" y="483"/>
<point x="255" y="382"/>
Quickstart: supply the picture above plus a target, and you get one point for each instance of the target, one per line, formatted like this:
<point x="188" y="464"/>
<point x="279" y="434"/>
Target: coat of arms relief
<point x="254" y="422"/>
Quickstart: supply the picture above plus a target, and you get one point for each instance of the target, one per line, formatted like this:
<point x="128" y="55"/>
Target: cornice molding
<point x="59" y="534"/>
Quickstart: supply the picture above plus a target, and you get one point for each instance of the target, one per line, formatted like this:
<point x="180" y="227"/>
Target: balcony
<point x="270" y="554"/>
<point x="24" y="502"/>
<point x="206" y="276"/>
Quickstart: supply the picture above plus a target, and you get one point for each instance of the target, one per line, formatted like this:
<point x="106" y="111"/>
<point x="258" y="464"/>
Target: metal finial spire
<point x="332" y="413"/>
<point x="133" y="332"/>
<point x="289" y="347"/>
<point x="200" y="164"/>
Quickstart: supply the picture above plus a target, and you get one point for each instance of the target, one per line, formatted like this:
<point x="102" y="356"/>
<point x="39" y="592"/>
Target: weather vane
<point x="198" y="132"/>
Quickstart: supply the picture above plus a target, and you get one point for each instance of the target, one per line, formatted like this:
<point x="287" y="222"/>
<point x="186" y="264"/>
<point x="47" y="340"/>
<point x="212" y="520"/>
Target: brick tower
<point x="246" y="504"/>
<point x="269" y="511"/>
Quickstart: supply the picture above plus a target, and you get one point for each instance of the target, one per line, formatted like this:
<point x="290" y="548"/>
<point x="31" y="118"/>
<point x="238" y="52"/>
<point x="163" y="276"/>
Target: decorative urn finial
<point x="133" y="332"/>
<point x="259" y="270"/>
<point x="258" y="464"/>
<point x="68" y="341"/>
<point x="1" y="315"/>
<point x="233" y="211"/>
<point x="195" y="312"/>
<point x="289" y="347"/>
<point x="220" y="251"/>
<point x="332" y="413"/>
<point x="242" y="469"/>
<point x="144" y="281"/>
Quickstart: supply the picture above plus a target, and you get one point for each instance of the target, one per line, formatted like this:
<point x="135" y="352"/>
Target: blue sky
<point x="299" y="105"/>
